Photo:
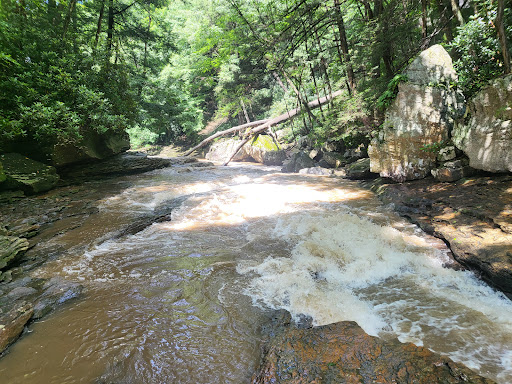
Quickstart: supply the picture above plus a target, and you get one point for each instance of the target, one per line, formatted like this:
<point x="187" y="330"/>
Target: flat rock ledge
<point x="343" y="353"/>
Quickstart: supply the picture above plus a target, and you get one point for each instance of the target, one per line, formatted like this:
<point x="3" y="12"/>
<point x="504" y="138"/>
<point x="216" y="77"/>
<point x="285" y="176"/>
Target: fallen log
<point x="225" y="132"/>
<point x="262" y="125"/>
<point x="279" y="119"/>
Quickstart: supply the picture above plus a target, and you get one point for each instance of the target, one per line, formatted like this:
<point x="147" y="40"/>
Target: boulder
<point x="332" y="160"/>
<point x="28" y="175"/>
<point x="487" y="137"/>
<point x="359" y="170"/>
<point x="13" y="322"/>
<point x="344" y="353"/>
<point x="221" y="151"/>
<point x="420" y="117"/>
<point x="298" y="160"/>
<point x="264" y="150"/>
<point x="93" y="146"/>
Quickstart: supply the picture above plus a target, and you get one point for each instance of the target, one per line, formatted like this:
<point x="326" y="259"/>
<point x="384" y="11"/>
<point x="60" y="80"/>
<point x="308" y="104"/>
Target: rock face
<point x="344" y="353"/>
<point x="422" y="114"/>
<point x="26" y="174"/>
<point x="261" y="149"/>
<point x="487" y="138"/>
<point x="359" y="170"/>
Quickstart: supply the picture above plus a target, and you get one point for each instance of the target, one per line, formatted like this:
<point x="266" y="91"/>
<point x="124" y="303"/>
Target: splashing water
<point x="183" y="301"/>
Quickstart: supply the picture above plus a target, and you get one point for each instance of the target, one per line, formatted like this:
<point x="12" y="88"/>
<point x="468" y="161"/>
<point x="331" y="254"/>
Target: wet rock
<point x="56" y="292"/>
<point x="344" y="353"/>
<point x="12" y="323"/>
<point x="297" y="161"/>
<point x="486" y="138"/>
<point x="19" y="292"/>
<point x="420" y="117"/>
<point x="28" y="175"/>
<point x="319" y="171"/>
<point x="360" y="170"/>
<point x="472" y="215"/>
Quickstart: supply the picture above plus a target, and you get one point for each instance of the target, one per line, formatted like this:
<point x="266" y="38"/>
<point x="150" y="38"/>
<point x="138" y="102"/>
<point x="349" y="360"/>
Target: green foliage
<point x="391" y="91"/>
<point x="434" y="147"/>
<point x="479" y="53"/>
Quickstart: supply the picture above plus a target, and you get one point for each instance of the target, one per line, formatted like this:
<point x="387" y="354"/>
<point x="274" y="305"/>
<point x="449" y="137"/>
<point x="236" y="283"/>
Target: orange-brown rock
<point x="344" y="353"/>
<point x="13" y="322"/>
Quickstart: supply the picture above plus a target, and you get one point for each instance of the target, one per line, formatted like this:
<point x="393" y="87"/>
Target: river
<point x="183" y="301"/>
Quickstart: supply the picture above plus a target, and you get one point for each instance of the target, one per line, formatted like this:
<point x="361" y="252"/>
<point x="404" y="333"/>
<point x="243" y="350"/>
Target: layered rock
<point x="344" y="353"/>
<point x="10" y="249"/>
<point x="422" y="115"/>
<point x="13" y="322"/>
<point x="487" y="137"/>
<point x="26" y="174"/>
<point x="93" y="146"/>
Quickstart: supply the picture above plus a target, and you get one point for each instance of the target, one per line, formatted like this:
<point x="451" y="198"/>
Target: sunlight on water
<point x="181" y="301"/>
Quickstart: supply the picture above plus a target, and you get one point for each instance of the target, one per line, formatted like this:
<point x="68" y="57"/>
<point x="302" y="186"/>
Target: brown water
<point x="183" y="301"/>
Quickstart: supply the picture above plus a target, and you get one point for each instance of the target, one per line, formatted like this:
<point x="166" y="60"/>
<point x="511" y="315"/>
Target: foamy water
<point x="245" y="237"/>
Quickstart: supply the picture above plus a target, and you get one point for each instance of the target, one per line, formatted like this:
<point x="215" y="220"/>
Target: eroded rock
<point x="56" y="292"/>
<point x="344" y="353"/>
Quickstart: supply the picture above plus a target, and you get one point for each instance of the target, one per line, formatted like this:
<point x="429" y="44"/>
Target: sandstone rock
<point x="432" y="67"/>
<point x="221" y="151"/>
<point x="264" y="150"/>
<point x="344" y="353"/>
<point x="93" y="146"/>
<point x="10" y="248"/>
<point x="26" y="174"/>
<point x="122" y="164"/>
<point x="19" y="292"/>
<point x="487" y="138"/>
<point x="297" y="161"/>
<point x="13" y="322"/>
<point x="422" y="114"/>
<point x="359" y="170"/>
<point x="56" y="292"/>
<point x="319" y="171"/>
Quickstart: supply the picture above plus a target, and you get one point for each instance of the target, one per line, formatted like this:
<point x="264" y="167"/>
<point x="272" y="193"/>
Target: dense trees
<point x="162" y="69"/>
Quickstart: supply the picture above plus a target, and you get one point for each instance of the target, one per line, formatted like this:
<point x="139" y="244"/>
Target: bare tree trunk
<point x="98" y="28"/>
<point x="344" y="47"/>
<point x="424" y="18"/>
<point x="500" y="28"/>
<point x="456" y="11"/>
<point x="245" y="111"/>
<point x="110" y="28"/>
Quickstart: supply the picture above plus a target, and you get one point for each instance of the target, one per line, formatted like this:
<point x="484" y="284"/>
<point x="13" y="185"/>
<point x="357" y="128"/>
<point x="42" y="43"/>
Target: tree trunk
<point x="344" y="47"/>
<point x="456" y="11"/>
<point x="424" y="19"/>
<point x="98" y="27"/>
<point x="500" y="29"/>
<point x="110" y="28"/>
<point x="67" y="21"/>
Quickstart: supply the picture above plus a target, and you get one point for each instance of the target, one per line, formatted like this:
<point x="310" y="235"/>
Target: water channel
<point x="183" y="301"/>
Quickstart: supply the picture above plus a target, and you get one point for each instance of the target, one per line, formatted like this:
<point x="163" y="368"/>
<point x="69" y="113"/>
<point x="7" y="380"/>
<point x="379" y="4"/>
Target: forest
<point x="162" y="70"/>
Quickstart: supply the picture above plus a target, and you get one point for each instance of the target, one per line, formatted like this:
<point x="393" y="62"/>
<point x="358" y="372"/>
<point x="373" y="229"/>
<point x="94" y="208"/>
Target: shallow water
<point x="183" y="301"/>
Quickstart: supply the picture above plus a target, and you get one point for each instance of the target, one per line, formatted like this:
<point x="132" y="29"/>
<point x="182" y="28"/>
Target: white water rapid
<point x="183" y="301"/>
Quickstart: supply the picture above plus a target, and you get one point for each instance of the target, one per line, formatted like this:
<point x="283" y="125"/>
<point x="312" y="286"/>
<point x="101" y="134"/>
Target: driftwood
<point x="262" y="125"/>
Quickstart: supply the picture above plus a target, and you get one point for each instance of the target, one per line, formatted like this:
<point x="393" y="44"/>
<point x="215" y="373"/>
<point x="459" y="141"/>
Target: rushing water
<point x="183" y="301"/>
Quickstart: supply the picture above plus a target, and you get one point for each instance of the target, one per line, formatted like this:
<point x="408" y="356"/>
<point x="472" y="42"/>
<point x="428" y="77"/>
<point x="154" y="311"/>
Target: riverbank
<point x="473" y="216"/>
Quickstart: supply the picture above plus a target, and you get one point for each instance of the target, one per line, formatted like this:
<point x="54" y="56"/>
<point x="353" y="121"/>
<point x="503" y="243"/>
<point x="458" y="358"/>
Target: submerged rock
<point x="26" y="174"/>
<point x="344" y="353"/>
<point x="487" y="138"/>
<point x="319" y="171"/>
<point x="56" y="292"/>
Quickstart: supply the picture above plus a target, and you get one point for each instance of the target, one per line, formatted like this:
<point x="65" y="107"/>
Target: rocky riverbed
<point x="473" y="216"/>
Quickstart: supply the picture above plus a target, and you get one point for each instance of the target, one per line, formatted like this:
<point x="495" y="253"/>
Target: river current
<point x="183" y="301"/>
